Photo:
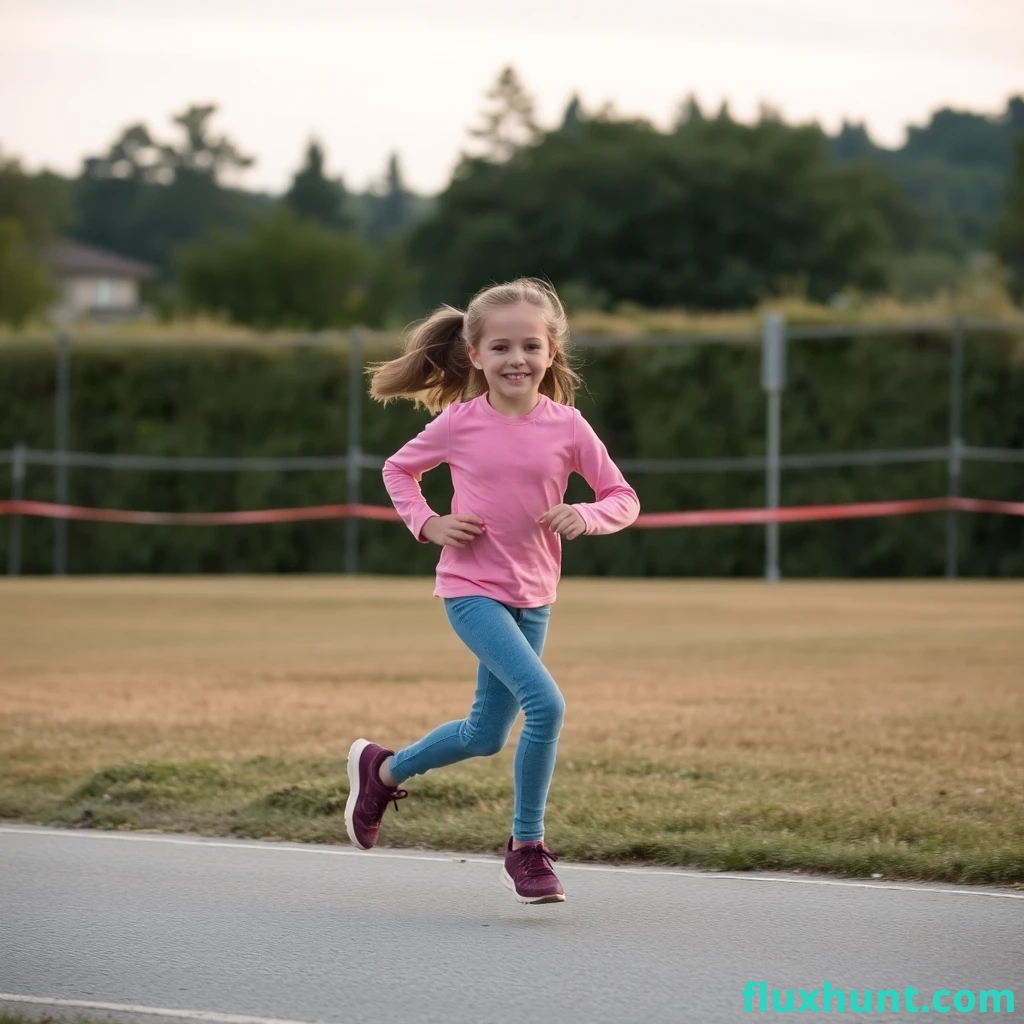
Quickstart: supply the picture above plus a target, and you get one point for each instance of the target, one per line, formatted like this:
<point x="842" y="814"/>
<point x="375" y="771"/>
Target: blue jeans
<point x="508" y="642"/>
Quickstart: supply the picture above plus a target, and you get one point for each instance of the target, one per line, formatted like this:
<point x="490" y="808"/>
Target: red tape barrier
<point x="649" y="520"/>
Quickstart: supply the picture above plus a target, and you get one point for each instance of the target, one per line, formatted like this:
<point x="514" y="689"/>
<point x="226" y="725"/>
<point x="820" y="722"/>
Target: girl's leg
<point x="508" y="642"/>
<point x="483" y="733"/>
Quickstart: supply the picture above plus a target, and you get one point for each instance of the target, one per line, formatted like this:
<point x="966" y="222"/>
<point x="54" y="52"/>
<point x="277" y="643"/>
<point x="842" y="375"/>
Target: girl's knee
<point x="485" y="744"/>
<point x="548" y="711"/>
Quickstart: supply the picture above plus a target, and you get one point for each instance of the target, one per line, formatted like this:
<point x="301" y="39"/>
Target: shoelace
<point x="537" y="860"/>
<point x="389" y="796"/>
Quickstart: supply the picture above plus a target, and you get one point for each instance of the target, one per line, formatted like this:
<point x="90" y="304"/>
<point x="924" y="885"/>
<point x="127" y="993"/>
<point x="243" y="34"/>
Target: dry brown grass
<point x="856" y="718"/>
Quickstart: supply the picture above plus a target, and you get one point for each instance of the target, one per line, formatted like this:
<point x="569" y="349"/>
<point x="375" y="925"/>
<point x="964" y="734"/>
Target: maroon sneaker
<point x="368" y="797"/>
<point x="527" y="872"/>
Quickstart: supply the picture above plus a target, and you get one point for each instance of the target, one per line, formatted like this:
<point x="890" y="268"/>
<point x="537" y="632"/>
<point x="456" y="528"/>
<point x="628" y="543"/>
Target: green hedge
<point x="646" y="401"/>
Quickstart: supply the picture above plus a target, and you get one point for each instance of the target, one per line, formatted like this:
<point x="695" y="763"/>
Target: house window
<point x="104" y="292"/>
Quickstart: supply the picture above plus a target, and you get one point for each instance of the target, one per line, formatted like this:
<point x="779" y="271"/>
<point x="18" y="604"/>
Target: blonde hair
<point x="435" y="369"/>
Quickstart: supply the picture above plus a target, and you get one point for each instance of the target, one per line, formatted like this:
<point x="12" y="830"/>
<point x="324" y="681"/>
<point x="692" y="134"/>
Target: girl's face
<point x="514" y="353"/>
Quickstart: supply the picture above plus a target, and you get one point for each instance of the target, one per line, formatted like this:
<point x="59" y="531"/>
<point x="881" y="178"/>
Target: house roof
<point x="69" y="257"/>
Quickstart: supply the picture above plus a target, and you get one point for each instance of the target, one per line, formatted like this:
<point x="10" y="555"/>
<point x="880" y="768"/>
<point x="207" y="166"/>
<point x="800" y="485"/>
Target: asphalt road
<point x="178" y="927"/>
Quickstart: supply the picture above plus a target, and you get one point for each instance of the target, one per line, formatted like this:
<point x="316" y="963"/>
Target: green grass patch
<point x="43" y="1017"/>
<point x="601" y="809"/>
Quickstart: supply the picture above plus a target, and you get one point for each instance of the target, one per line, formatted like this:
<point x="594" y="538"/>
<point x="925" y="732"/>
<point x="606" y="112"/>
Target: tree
<point x="964" y="137"/>
<point x="285" y="272"/>
<point x="201" y="153"/>
<point x="314" y="195"/>
<point x="953" y="168"/>
<point x="25" y="288"/>
<point x="392" y="210"/>
<point x="715" y="216"/>
<point x="1008" y="237"/>
<point x="510" y="123"/>
<point x="134" y="156"/>
<point x="40" y="203"/>
<point x="145" y="197"/>
<point x="687" y="113"/>
<point x="34" y="209"/>
<point x="573" y="116"/>
<point x="852" y="143"/>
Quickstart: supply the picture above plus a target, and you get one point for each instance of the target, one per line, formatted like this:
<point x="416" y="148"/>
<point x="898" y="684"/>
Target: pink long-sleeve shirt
<point x="509" y="471"/>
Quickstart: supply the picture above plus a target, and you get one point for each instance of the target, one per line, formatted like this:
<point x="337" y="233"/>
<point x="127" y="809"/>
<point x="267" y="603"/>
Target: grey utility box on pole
<point x="773" y="380"/>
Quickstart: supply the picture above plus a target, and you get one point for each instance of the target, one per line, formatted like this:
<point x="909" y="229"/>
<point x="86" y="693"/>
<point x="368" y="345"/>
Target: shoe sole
<point x="355" y="752"/>
<point x="506" y="878"/>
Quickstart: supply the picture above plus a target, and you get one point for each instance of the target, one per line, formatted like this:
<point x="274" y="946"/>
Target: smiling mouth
<point x="515" y="376"/>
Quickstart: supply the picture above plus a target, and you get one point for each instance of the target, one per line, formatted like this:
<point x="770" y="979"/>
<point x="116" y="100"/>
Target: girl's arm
<point x="404" y="470"/>
<point x="617" y="505"/>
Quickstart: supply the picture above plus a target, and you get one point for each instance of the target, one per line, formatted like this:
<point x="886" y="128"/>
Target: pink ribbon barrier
<point x="648" y="520"/>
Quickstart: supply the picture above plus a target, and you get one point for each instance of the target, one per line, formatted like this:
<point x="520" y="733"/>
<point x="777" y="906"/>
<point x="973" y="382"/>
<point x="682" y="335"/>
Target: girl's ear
<point x="473" y="357"/>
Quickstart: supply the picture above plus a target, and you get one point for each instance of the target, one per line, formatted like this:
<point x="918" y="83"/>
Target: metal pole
<point x="355" y="452"/>
<point x="773" y="375"/>
<point x="17" y="492"/>
<point x="956" y="441"/>
<point x="60" y="535"/>
<point x="771" y="551"/>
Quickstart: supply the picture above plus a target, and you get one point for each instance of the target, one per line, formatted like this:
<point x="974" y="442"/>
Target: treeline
<point x="709" y="214"/>
<point x="646" y="402"/>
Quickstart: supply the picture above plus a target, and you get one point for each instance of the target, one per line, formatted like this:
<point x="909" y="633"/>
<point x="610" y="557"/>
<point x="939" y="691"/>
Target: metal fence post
<point x="956" y="441"/>
<point x="60" y="533"/>
<point x="17" y="493"/>
<point x="355" y="451"/>
<point x="773" y="379"/>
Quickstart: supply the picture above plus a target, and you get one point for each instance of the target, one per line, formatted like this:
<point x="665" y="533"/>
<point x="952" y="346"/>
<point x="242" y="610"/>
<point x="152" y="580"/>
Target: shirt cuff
<point x="584" y="512"/>
<point x="419" y="521"/>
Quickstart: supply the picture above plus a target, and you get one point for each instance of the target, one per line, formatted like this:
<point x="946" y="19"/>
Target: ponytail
<point x="434" y="369"/>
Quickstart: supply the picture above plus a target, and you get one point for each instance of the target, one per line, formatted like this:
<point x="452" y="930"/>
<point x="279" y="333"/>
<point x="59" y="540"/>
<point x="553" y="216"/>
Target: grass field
<point x="849" y="728"/>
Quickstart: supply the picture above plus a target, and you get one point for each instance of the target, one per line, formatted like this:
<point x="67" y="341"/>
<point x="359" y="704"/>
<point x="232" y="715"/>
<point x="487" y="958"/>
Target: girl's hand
<point x="564" y="519"/>
<point x="454" y="531"/>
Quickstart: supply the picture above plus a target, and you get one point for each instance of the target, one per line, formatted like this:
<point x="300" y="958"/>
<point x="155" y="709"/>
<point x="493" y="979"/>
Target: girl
<point x="499" y="376"/>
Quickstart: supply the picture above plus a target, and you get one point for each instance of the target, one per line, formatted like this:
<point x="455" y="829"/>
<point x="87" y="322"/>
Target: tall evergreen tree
<point x="392" y="212"/>
<point x="510" y="122"/>
<point x="316" y="197"/>
<point x="573" y="116"/>
<point x="688" y="112"/>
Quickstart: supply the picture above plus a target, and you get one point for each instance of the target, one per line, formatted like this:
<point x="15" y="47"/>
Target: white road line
<point x="491" y="862"/>
<point x="156" y="1011"/>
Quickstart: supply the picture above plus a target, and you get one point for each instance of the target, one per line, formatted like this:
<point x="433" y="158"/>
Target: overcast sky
<point x="410" y="75"/>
